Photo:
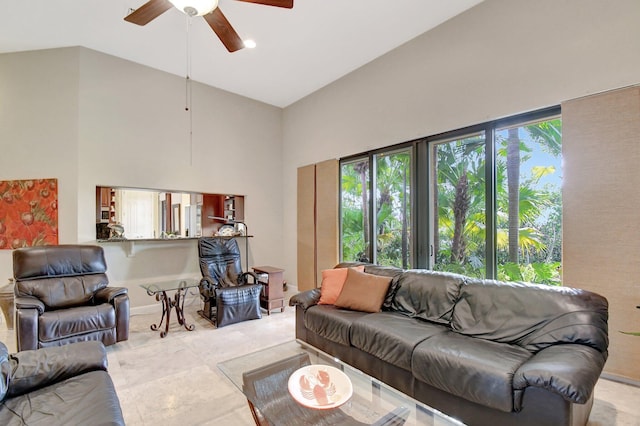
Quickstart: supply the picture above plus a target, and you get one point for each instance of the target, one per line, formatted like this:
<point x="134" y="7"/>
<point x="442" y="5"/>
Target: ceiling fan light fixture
<point x="195" y="7"/>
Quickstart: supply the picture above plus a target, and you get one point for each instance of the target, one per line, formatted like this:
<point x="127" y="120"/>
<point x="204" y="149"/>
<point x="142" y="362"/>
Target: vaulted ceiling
<point x="298" y="50"/>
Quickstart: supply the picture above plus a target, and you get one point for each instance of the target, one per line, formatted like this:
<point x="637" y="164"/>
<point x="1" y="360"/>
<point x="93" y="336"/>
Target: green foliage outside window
<point x="528" y="233"/>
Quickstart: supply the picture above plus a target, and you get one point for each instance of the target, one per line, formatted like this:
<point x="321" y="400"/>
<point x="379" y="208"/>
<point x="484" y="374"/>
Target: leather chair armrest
<point x="570" y="370"/>
<point x="34" y="369"/>
<point x="107" y="294"/>
<point x="26" y="325"/>
<point x="305" y="299"/>
<point x="121" y="306"/>
<point x="29" y="302"/>
<point x="119" y="298"/>
<point x="245" y="276"/>
<point x="207" y="288"/>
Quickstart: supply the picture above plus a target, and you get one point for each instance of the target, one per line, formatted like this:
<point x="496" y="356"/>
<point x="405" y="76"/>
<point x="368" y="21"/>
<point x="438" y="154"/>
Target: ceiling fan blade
<point x="221" y="26"/>
<point x="277" y="3"/>
<point x="148" y="12"/>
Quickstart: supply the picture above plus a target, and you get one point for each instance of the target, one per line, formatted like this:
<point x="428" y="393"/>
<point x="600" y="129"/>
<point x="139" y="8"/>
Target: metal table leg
<point x="166" y="312"/>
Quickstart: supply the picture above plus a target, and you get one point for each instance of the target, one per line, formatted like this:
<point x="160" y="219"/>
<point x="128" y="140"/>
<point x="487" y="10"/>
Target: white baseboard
<point x="620" y="379"/>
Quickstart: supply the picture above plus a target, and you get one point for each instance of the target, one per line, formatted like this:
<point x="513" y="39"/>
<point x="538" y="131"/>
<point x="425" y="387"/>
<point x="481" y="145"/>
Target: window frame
<point x="420" y="194"/>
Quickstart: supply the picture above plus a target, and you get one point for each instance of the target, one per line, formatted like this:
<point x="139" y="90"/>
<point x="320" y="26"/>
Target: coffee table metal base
<point x="167" y="304"/>
<point x="160" y="291"/>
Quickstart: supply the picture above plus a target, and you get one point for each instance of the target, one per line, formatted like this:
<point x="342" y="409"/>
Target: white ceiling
<point x="299" y="50"/>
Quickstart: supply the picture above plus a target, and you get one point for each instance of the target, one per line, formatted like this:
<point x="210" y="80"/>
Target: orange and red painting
<point x="28" y="213"/>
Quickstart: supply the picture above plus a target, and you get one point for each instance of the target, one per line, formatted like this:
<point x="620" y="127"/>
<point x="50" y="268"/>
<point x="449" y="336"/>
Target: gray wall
<point x="91" y="119"/>
<point x="500" y="58"/>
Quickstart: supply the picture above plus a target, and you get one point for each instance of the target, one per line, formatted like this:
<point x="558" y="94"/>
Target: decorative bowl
<point x="320" y="386"/>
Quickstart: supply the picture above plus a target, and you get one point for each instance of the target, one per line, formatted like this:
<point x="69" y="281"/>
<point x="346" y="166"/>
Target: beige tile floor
<point x="175" y="380"/>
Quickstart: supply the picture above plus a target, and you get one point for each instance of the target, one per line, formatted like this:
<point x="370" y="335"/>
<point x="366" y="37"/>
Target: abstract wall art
<point x="28" y="213"/>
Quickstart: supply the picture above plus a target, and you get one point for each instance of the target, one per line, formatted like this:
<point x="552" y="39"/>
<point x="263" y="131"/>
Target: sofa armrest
<point x="107" y="294"/>
<point x="34" y="369"/>
<point x="305" y="299"/>
<point x="29" y="302"/>
<point x="570" y="370"/>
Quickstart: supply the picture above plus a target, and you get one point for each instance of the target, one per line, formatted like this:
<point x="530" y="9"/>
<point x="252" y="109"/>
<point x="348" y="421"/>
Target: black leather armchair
<point x="61" y="296"/>
<point x="227" y="294"/>
<point x="58" y="386"/>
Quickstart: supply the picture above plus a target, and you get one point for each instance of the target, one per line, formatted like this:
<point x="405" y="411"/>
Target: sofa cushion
<point x="391" y="337"/>
<point x="87" y="399"/>
<point x="427" y="295"/>
<point x="63" y="323"/>
<point x="504" y="312"/>
<point x="363" y="292"/>
<point x="331" y="323"/>
<point x="474" y="369"/>
<point x="332" y="282"/>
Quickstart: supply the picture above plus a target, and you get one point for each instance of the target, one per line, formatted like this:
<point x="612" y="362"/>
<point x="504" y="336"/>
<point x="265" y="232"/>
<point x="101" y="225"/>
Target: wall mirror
<point x="148" y="214"/>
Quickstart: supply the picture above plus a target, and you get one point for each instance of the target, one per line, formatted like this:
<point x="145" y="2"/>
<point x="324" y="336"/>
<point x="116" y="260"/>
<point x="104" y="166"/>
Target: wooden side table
<point x="272" y="296"/>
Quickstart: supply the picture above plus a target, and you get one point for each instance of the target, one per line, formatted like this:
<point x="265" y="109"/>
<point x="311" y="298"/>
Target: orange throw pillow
<point x="363" y="292"/>
<point x="332" y="282"/>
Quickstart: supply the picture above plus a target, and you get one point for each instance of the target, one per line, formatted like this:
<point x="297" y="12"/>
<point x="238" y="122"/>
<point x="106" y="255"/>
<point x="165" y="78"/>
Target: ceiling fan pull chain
<point x="188" y="77"/>
<point x="188" y="94"/>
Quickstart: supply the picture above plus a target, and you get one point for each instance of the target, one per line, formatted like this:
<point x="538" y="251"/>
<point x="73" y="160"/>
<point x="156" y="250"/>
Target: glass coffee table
<point x="296" y="384"/>
<point x="159" y="290"/>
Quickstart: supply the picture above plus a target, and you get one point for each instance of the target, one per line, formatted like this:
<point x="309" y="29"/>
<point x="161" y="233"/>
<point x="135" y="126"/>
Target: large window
<point x="483" y="201"/>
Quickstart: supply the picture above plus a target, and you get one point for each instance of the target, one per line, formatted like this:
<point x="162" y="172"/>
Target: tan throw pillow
<point x="363" y="292"/>
<point x="332" y="282"/>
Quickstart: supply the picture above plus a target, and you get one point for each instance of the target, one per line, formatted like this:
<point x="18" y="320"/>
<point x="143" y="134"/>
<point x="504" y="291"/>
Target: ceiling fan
<point x="208" y="9"/>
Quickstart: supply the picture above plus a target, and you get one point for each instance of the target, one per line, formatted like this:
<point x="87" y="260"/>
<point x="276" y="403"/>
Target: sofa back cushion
<point x="386" y="271"/>
<point x="428" y="295"/>
<point x="530" y="315"/>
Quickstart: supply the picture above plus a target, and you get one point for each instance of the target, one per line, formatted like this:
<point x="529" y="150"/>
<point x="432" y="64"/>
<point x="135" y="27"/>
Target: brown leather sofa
<point x="484" y="352"/>
<point x="67" y="385"/>
<point x="61" y="296"/>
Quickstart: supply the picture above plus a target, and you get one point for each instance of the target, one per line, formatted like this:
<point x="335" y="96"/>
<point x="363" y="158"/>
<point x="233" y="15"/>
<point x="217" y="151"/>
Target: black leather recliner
<point x="61" y="296"/>
<point x="227" y="294"/>
<point x="61" y="385"/>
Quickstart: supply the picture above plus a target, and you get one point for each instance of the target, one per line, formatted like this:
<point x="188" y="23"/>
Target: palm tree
<point x="362" y="168"/>
<point x="458" y="163"/>
<point x="513" y="185"/>
<point x="534" y="215"/>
